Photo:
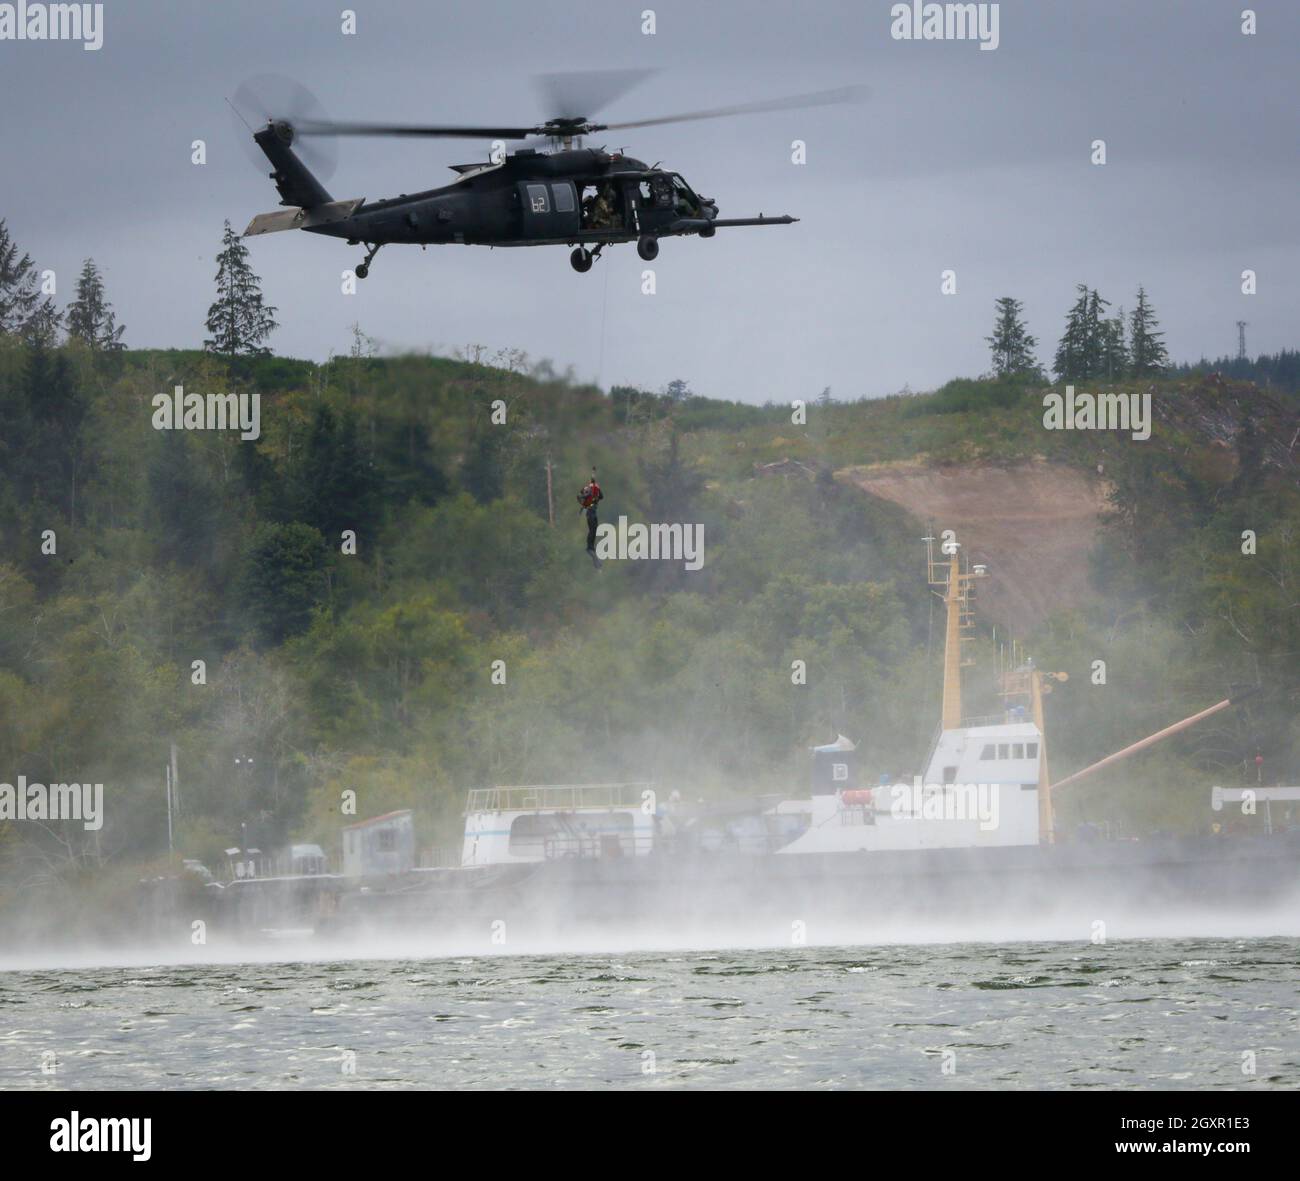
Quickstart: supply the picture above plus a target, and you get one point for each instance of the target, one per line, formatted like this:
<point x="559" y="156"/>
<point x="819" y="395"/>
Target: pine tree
<point x="1114" y="348"/>
<point x="23" y="310"/>
<point x="281" y="579"/>
<point x="90" y="315"/>
<point x="1147" y="348"/>
<point x="1094" y="348"/>
<point x="183" y="504"/>
<point x="42" y="326"/>
<point x="1071" y="353"/>
<point x="1011" y="345"/>
<point x="55" y="412"/>
<point x="1082" y="354"/>
<point x="482" y="471"/>
<point x="238" y="320"/>
<point x="334" y="485"/>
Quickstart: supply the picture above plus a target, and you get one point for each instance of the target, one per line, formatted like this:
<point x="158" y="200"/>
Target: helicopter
<point x="586" y="198"/>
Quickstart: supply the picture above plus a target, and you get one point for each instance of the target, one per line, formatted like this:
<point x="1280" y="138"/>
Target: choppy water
<point x="1143" y="1013"/>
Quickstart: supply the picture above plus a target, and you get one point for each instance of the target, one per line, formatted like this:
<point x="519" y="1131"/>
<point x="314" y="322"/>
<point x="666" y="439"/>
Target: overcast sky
<point x="963" y="159"/>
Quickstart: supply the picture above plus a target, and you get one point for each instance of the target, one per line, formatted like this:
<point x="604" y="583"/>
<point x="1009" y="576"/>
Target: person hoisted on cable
<point x="588" y="498"/>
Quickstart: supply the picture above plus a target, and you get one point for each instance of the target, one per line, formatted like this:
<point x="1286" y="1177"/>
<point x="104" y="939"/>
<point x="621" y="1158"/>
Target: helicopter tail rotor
<point x="293" y="179"/>
<point x="273" y="100"/>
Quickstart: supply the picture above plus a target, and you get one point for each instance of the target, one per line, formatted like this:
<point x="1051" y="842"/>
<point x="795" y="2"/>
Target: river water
<point x="1146" y="1013"/>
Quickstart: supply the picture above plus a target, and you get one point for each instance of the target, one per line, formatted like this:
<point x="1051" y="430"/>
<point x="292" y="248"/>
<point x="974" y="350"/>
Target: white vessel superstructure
<point x="985" y="780"/>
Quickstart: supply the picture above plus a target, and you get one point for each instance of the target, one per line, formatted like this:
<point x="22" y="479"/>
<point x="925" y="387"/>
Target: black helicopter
<point x="587" y="198"/>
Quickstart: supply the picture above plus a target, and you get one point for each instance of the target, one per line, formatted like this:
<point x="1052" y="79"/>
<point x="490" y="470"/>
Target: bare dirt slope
<point x="1034" y="523"/>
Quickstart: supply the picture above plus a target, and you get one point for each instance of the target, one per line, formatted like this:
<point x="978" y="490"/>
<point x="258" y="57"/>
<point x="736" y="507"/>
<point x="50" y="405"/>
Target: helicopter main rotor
<point x="565" y="128"/>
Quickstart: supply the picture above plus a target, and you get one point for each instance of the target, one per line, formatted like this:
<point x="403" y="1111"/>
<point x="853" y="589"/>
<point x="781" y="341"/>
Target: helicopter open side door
<point x="550" y="209"/>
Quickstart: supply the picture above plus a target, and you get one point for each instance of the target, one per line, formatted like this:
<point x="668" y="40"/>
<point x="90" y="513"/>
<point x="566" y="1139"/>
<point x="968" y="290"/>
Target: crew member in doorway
<point x="602" y="213"/>
<point x="588" y="498"/>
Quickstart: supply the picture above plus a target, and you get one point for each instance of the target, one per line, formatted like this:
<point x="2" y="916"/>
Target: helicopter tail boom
<point x="293" y="180"/>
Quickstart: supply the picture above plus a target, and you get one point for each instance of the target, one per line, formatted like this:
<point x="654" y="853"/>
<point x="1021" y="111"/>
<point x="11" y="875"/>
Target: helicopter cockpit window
<point x="662" y="190"/>
<point x="538" y="200"/>
<point x="563" y="194"/>
<point x="683" y="198"/>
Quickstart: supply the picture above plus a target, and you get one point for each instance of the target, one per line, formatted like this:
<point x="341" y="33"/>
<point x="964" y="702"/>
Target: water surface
<point x="1150" y="1013"/>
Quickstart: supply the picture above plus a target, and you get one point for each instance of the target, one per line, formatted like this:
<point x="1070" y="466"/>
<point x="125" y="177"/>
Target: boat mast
<point x="1018" y="678"/>
<point x="956" y="590"/>
<point x="1046" y="819"/>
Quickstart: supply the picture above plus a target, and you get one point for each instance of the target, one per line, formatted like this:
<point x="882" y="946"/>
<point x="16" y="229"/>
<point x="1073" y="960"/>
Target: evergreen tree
<point x="1278" y="371"/>
<point x="482" y="469"/>
<point x="184" y="507"/>
<point x="23" y="310"/>
<point x="1147" y="346"/>
<point x="24" y="420"/>
<point x="1094" y="348"/>
<point x="55" y="411"/>
<point x="406" y="464"/>
<point x="671" y="486"/>
<point x="1082" y="353"/>
<point x="281" y="579"/>
<point x="1011" y="345"/>
<point x="335" y="482"/>
<point x="1071" y="353"/>
<point x="1114" y="348"/>
<point x="90" y="315"/>
<point x="238" y="319"/>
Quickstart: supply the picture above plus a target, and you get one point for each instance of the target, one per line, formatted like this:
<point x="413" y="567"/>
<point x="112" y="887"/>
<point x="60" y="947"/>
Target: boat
<point x="969" y="843"/>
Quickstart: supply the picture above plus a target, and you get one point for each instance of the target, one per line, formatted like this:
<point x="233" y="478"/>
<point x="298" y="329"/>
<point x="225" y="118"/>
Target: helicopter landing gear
<point x="363" y="268"/>
<point x="582" y="258"/>
<point x="648" y="248"/>
<point x="708" y="231"/>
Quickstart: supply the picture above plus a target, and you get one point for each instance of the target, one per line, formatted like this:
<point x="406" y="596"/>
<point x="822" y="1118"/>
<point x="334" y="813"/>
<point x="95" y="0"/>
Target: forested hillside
<point x="325" y="670"/>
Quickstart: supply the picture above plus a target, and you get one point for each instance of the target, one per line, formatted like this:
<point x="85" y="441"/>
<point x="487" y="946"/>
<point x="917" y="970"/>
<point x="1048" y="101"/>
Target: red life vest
<point x="590" y="495"/>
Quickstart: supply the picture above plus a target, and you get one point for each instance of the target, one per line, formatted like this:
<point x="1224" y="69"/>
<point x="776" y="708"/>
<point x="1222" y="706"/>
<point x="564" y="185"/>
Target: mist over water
<point x="828" y="979"/>
<point x="1072" y="924"/>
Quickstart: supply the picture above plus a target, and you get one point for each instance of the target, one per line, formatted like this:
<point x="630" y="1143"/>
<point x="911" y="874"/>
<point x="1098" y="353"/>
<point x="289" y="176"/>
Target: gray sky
<point x="966" y="159"/>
